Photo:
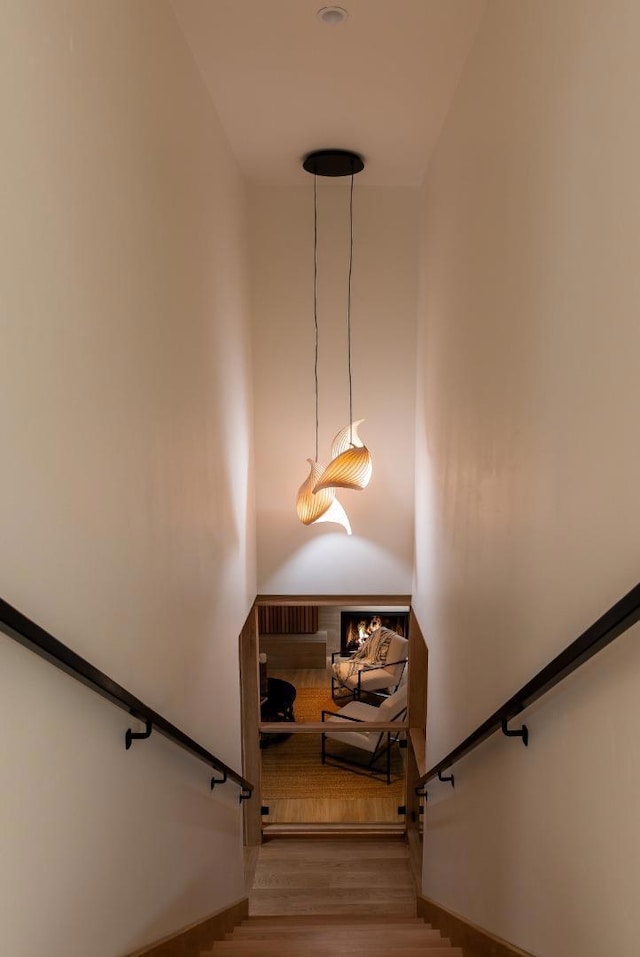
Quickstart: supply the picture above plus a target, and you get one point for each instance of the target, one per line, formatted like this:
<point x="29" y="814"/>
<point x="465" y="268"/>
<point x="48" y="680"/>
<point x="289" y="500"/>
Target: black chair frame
<point x="381" y="749"/>
<point x="356" y="692"/>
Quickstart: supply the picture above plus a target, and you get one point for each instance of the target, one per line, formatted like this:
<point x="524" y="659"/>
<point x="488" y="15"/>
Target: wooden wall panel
<point x="288" y="619"/>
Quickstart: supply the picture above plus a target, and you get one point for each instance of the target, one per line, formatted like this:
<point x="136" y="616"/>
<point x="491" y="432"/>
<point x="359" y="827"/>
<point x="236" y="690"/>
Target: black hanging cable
<point x="349" y="311"/>
<point x="315" y="295"/>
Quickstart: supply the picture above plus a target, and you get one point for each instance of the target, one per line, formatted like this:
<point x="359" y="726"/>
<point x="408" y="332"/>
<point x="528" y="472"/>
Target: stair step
<point x="253" y="948"/>
<point x="312" y="933"/>
<point x="332" y="830"/>
<point x="323" y="920"/>
<point x="309" y="901"/>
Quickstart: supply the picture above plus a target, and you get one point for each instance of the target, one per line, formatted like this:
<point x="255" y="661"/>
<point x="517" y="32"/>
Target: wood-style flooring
<point x="294" y="876"/>
<point x="379" y="810"/>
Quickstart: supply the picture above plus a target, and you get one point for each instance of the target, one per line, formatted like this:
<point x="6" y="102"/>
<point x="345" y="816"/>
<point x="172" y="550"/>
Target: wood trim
<point x="250" y="709"/>
<point x="192" y="940"/>
<point x="418" y="674"/>
<point x="325" y="830"/>
<point x="340" y="600"/>
<point x="462" y="933"/>
<point x="414" y="842"/>
<point x="417" y="718"/>
<point x="317" y="727"/>
<point x="418" y="744"/>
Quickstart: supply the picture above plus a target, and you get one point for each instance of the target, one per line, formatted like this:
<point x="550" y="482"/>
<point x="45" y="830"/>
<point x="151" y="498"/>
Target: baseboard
<point x="462" y="933"/>
<point x="190" y="941"/>
<point x="414" y="843"/>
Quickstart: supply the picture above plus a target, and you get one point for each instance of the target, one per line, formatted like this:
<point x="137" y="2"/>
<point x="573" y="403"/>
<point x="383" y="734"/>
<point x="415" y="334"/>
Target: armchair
<point x="378" y="666"/>
<point x="376" y="744"/>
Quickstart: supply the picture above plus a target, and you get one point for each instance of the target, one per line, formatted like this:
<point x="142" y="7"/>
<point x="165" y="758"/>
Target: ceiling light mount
<point x="333" y="163"/>
<point x="332" y="15"/>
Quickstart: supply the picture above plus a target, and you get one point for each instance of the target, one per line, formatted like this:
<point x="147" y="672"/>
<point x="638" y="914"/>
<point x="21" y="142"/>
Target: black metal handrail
<point x="618" y="619"/>
<point x="32" y="636"/>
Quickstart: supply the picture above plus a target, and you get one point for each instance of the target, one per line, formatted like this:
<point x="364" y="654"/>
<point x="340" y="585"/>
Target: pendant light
<point x="350" y="465"/>
<point x="322" y="506"/>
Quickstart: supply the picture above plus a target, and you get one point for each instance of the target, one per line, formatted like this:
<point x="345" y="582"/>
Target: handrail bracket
<point x="221" y="780"/>
<point x="138" y="735"/>
<point x="522" y="732"/>
<point x="448" y="779"/>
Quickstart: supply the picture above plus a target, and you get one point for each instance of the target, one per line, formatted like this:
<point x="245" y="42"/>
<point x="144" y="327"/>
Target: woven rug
<point x="292" y="767"/>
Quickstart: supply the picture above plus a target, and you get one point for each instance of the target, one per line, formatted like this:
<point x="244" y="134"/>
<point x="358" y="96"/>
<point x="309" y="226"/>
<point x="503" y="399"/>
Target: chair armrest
<point x="327" y="712"/>
<point x="383" y="664"/>
<point x="338" y="654"/>
<point x="391" y="664"/>
<point x="343" y="717"/>
<point x="377" y="667"/>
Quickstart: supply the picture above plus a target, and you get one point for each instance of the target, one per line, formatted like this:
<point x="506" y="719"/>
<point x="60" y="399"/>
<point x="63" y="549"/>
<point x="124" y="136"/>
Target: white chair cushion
<point x="389" y="710"/>
<point x="394" y="705"/>
<point x="373" y="679"/>
<point x="367" y="740"/>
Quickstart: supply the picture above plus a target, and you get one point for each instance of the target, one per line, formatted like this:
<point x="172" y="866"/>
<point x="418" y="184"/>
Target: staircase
<point x="330" y="896"/>
<point x="339" y="936"/>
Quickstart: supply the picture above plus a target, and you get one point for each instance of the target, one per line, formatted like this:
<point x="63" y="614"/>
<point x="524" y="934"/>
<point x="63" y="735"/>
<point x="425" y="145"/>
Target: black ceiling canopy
<point x="333" y="163"/>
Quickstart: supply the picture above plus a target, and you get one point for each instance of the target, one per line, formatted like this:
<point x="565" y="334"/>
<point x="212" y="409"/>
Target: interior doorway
<point x="298" y="635"/>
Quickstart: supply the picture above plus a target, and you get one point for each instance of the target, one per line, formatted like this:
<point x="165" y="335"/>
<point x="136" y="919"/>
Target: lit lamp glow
<point x="322" y="506"/>
<point x="351" y="466"/>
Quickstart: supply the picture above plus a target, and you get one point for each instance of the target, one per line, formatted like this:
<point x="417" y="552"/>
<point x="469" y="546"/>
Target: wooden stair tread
<point x="322" y="919"/>
<point x="313" y="933"/>
<point x="344" y="949"/>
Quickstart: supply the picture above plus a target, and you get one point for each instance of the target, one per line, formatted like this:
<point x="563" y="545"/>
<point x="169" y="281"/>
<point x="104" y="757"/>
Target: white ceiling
<point x="285" y="83"/>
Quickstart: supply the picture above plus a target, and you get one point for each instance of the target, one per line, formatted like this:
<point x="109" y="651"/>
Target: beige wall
<point x="527" y="520"/>
<point x="125" y="506"/>
<point x="293" y="558"/>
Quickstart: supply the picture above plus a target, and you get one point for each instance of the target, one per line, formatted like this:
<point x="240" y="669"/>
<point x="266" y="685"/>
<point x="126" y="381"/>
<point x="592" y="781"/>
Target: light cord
<point x="349" y="312"/>
<point x="315" y="297"/>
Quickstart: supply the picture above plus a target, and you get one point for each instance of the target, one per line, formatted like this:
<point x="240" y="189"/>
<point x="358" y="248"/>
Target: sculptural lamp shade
<point x="350" y="465"/>
<point x="313" y="507"/>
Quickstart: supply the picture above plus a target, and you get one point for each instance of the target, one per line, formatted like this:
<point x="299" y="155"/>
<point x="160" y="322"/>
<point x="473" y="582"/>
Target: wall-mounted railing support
<point x="221" y="780"/>
<point x="138" y="735"/>
<point x="617" y="620"/>
<point x="15" y="625"/>
<point x="244" y="795"/>
<point x="522" y="732"/>
<point x="448" y="779"/>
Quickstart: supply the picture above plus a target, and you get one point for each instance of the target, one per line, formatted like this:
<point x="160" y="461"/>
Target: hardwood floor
<point x="334" y="811"/>
<point x="319" y="808"/>
<point x="304" y="677"/>
<point x="333" y="876"/>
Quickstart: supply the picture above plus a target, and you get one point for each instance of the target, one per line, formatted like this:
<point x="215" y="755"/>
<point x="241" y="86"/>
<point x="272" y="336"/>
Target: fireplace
<point x="357" y="625"/>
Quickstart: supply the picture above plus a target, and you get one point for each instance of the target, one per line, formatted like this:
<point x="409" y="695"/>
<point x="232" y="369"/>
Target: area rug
<point x="292" y="767"/>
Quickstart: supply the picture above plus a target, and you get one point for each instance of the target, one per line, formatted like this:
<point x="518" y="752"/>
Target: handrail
<point x="32" y="636"/>
<point x="609" y="626"/>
